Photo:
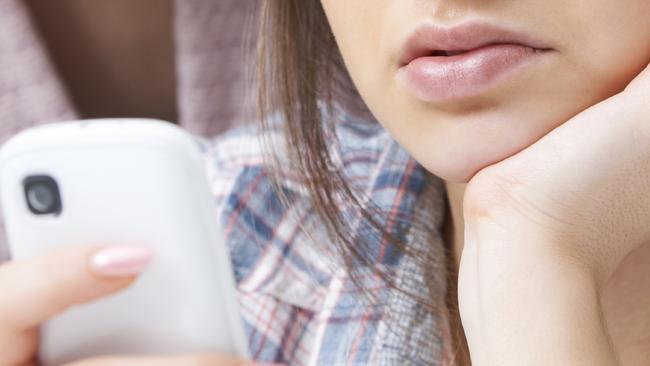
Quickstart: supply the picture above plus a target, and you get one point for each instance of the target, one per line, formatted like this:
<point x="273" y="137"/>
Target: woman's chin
<point x="462" y="162"/>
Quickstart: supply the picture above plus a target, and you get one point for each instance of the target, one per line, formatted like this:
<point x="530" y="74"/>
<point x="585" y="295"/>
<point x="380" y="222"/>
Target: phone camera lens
<point x="42" y="195"/>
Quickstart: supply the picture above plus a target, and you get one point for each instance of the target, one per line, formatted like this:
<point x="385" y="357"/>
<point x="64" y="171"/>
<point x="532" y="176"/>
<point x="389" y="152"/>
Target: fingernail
<point x="120" y="261"/>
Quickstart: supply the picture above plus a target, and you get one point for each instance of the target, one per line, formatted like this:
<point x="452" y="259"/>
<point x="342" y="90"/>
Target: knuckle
<point x="489" y="192"/>
<point x="505" y="206"/>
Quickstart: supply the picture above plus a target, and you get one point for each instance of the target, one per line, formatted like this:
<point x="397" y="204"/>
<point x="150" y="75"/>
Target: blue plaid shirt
<point x="299" y="304"/>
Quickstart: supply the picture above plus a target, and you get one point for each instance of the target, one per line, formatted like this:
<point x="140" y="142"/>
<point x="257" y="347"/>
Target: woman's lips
<point x="440" y="65"/>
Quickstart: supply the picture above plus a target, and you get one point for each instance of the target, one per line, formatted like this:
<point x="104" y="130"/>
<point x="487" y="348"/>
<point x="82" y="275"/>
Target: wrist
<point x="521" y="301"/>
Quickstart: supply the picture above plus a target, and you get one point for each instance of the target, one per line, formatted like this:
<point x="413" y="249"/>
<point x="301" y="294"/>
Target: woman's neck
<point x="454" y="223"/>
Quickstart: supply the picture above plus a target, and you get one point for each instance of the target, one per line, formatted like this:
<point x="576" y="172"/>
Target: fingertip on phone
<point x="120" y="261"/>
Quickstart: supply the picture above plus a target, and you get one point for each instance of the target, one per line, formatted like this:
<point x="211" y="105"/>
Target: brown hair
<point x="300" y="70"/>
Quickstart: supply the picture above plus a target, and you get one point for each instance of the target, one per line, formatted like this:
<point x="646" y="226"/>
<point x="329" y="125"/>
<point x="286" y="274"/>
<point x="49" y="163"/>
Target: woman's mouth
<point x="440" y="65"/>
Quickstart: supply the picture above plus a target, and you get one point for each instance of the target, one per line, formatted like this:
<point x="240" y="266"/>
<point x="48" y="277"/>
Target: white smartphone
<point x="125" y="181"/>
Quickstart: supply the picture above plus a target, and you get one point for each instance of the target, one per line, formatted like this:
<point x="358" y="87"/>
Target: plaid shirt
<point x="298" y="302"/>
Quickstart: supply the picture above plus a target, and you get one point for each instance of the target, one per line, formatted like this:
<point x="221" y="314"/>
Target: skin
<point x="36" y="290"/>
<point x="487" y="129"/>
<point x="546" y="172"/>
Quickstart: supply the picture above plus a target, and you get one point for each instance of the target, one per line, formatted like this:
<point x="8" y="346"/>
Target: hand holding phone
<point x="33" y="293"/>
<point x="116" y="246"/>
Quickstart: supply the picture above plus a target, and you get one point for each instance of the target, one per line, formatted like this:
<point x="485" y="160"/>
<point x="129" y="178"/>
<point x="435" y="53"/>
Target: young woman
<point x="528" y="119"/>
<point x="535" y="115"/>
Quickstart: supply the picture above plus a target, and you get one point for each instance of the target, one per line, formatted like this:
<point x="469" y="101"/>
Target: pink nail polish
<point x="120" y="261"/>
